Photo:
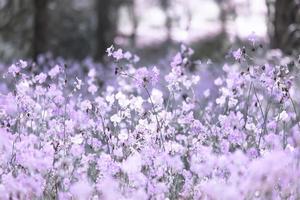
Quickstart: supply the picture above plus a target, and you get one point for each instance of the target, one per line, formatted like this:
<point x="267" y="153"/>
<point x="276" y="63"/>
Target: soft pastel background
<point x="78" y="29"/>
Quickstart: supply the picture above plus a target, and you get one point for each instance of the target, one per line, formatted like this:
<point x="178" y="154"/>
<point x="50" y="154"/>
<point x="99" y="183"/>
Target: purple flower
<point x="54" y="71"/>
<point x="41" y="78"/>
<point x="118" y="55"/>
<point x="253" y="38"/>
<point x="237" y="54"/>
<point x="13" y="69"/>
<point x="144" y="76"/>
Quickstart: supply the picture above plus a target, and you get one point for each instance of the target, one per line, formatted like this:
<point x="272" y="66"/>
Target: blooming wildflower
<point x="221" y="100"/>
<point x="81" y="190"/>
<point x="122" y="99"/>
<point x="70" y="125"/>
<point x="92" y="89"/>
<point x="127" y="55"/>
<point x="78" y="83"/>
<point x="283" y="116"/>
<point x="187" y="106"/>
<point x="118" y="54"/>
<point x="177" y="60"/>
<point x="110" y="50"/>
<point x="218" y="81"/>
<point x="77" y="139"/>
<point x="157" y="97"/>
<point x="206" y="93"/>
<point x="133" y="164"/>
<point x="90" y="146"/>
<point x="115" y="118"/>
<point x="23" y="64"/>
<point x="13" y="69"/>
<point x="123" y="136"/>
<point x="92" y="73"/>
<point x="136" y="59"/>
<point x="144" y="76"/>
<point x="39" y="90"/>
<point x="237" y="55"/>
<point x="252" y="38"/>
<point x="85" y="105"/>
<point x="232" y="102"/>
<point x="41" y="78"/>
<point x="54" y="71"/>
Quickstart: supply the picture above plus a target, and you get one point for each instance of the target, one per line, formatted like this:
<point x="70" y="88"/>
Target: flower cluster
<point x="150" y="133"/>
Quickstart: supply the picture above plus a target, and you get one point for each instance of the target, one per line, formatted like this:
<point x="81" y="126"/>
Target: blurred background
<point x="77" y="29"/>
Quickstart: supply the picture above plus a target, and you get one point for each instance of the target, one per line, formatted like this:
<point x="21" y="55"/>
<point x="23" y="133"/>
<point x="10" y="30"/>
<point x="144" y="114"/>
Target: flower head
<point x="144" y="76"/>
<point x="237" y="54"/>
<point x="54" y="71"/>
<point x="252" y="38"/>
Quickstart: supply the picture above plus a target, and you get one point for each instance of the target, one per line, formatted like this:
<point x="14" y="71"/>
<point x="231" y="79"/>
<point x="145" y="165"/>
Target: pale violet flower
<point x="237" y="54"/>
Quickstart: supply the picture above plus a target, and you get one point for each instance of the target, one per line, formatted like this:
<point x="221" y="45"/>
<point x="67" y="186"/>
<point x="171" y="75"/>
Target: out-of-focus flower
<point x="41" y="78"/>
<point x="13" y="69"/>
<point x="23" y="64"/>
<point x="206" y="93"/>
<point x="81" y="190"/>
<point x="92" y="89"/>
<point x="237" y="54"/>
<point x="133" y="164"/>
<point x="144" y="76"/>
<point x="218" y="81"/>
<point x="253" y="38"/>
<point x="85" y="105"/>
<point x="110" y="50"/>
<point x="283" y="116"/>
<point x="54" y="71"/>
<point x="118" y="55"/>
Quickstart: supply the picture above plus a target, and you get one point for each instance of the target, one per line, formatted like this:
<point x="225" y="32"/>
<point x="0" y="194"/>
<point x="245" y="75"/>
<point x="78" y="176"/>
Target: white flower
<point x="110" y="50"/>
<point x="54" y="71"/>
<point x="218" y="81"/>
<point x="118" y="54"/>
<point x="123" y="135"/>
<point x="81" y="190"/>
<point x="137" y="103"/>
<point x="77" y="139"/>
<point x="78" y="83"/>
<point x="41" y="78"/>
<point x="195" y="79"/>
<point x="13" y="69"/>
<point x="283" y="116"/>
<point x="85" y="105"/>
<point x="127" y="55"/>
<point x="110" y="99"/>
<point x="115" y="118"/>
<point x="232" y="102"/>
<point x="92" y="89"/>
<point x="92" y="73"/>
<point x="157" y="97"/>
<point x="206" y="93"/>
<point x="250" y="126"/>
<point x="133" y="164"/>
<point x="221" y="100"/>
<point x="122" y="100"/>
<point x="23" y="64"/>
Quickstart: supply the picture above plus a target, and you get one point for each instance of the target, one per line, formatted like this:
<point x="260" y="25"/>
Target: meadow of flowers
<point x="147" y="133"/>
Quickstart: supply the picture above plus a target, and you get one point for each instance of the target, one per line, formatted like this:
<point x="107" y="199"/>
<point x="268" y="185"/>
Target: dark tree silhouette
<point x="40" y="27"/>
<point x="106" y="24"/>
<point x="165" y="5"/>
<point x="285" y="27"/>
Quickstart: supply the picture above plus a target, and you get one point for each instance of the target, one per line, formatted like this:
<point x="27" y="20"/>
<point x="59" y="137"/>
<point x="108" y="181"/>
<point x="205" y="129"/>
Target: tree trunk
<point x="165" y="5"/>
<point x="284" y="25"/>
<point x="40" y="27"/>
<point x="104" y="30"/>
